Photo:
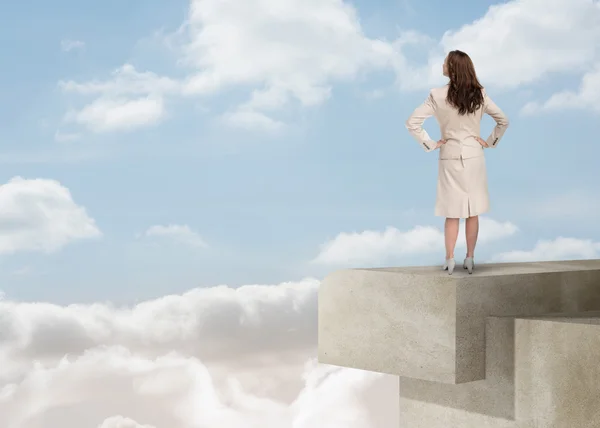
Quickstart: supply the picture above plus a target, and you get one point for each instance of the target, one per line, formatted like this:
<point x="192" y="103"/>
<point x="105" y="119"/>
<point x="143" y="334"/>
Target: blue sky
<point x="264" y="188"/>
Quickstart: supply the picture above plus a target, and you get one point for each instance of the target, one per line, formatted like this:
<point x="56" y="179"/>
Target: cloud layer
<point x="211" y="357"/>
<point x="220" y="356"/>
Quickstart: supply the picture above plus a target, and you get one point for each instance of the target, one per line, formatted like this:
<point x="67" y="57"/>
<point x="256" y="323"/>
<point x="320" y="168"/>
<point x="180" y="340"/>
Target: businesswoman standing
<point x="462" y="190"/>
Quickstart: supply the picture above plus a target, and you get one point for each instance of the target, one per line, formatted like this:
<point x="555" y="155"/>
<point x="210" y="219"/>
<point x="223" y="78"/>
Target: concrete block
<point x="541" y="372"/>
<point x="421" y="323"/>
<point x="493" y="396"/>
<point x="557" y="373"/>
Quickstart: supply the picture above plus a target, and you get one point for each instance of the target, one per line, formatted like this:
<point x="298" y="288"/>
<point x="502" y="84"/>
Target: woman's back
<point x="460" y="131"/>
<point x="453" y="125"/>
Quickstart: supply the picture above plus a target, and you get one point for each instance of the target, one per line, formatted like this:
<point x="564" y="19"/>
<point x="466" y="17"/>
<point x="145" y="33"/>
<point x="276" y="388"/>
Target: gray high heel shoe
<point x="449" y="266"/>
<point x="469" y="264"/>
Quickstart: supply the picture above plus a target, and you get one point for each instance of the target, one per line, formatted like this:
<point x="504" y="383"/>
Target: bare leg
<point x="471" y="232"/>
<point x="451" y="234"/>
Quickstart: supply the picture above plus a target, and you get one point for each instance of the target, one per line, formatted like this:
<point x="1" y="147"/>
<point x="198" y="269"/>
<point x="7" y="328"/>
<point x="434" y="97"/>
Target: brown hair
<point x="464" y="91"/>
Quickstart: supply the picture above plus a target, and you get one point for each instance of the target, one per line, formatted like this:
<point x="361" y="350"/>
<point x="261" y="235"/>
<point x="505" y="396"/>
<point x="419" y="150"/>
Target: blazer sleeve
<point x="498" y="115"/>
<point x="414" y="123"/>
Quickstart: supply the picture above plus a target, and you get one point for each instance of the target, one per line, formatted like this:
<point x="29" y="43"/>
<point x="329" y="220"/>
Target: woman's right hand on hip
<point x="440" y="143"/>
<point x="482" y="142"/>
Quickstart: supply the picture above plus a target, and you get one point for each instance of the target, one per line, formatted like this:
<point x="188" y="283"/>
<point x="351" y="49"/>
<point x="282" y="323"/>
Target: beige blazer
<point x="459" y="131"/>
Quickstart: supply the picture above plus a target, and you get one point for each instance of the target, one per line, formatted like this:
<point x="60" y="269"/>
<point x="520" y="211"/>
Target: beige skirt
<point x="462" y="189"/>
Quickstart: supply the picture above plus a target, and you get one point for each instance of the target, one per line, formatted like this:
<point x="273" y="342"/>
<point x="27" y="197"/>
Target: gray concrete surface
<point x="542" y="372"/>
<point x="557" y="364"/>
<point x="493" y="396"/>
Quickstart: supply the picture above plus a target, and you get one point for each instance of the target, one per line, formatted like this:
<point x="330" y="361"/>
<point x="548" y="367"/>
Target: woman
<point x="462" y="180"/>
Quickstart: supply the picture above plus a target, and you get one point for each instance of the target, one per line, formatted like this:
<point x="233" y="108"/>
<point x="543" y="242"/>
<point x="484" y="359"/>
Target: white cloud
<point x="128" y="100"/>
<point x="119" y="114"/>
<point x="377" y="247"/>
<point x="68" y="45"/>
<point x="292" y="50"/>
<point x="176" y="392"/>
<point x="253" y="120"/>
<point x="40" y="215"/>
<point x="282" y="52"/>
<point x="124" y="81"/>
<point x="585" y="98"/>
<point x="211" y="357"/>
<point x="522" y="41"/>
<point x="181" y="234"/>
<point x="291" y="53"/>
<point x="557" y="249"/>
<point x="252" y="320"/>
